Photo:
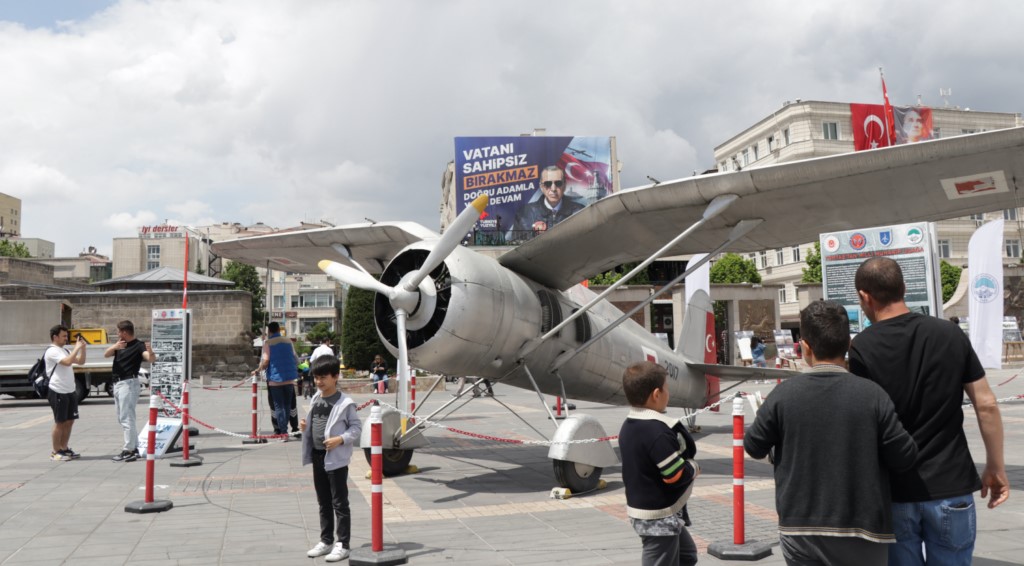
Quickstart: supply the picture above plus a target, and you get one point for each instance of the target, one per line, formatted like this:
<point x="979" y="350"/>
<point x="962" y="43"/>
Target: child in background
<point x="657" y="468"/>
<point x="329" y="431"/>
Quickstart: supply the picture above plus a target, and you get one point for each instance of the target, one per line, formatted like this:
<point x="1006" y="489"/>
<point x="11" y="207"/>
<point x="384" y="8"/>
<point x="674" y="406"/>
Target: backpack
<point x="39" y="379"/>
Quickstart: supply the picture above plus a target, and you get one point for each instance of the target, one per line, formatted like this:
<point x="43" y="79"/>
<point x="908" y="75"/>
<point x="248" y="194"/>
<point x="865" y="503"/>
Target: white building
<point x="805" y="129"/>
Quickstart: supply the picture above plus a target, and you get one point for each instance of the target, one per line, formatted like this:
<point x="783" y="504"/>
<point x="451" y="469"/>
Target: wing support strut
<point x="741" y="229"/>
<point x="717" y="205"/>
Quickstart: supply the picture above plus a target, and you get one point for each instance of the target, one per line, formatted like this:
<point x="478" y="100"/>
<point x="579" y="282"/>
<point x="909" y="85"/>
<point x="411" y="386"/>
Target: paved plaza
<point x="474" y="501"/>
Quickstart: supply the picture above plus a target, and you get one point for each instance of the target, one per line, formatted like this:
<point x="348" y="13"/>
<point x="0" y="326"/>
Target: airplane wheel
<point x="394" y="462"/>
<point x="577" y="477"/>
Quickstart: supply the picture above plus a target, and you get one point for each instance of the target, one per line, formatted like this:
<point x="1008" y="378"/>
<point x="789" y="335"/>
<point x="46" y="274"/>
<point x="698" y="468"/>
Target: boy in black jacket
<point x="657" y="468"/>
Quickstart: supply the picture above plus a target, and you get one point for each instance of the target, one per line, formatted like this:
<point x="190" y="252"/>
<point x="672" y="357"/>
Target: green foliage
<point x="246" y="278"/>
<point x="812" y="273"/>
<point x="950" y="275"/>
<point x="320" y="331"/>
<point x="609" y="277"/>
<point x="13" y="249"/>
<point x="732" y="268"/>
<point x="360" y="342"/>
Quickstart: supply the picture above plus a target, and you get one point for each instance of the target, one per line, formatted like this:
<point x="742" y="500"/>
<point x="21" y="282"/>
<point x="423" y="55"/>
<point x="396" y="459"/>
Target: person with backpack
<point x="63" y="397"/>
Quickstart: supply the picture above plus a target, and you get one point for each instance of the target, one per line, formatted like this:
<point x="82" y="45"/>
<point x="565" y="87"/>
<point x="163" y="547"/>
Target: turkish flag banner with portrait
<point x="868" y="124"/>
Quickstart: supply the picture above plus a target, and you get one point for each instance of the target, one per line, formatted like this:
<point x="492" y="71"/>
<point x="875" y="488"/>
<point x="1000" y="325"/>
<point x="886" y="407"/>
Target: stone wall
<point x="13" y="270"/>
<point x="221" y="323"/>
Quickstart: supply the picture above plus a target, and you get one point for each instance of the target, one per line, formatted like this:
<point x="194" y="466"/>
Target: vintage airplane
<point x="522" y="319"/>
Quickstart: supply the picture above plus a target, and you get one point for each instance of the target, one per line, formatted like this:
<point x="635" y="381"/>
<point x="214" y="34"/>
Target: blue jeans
<point x="947" y="528"/>
<point x="283" y="395"/>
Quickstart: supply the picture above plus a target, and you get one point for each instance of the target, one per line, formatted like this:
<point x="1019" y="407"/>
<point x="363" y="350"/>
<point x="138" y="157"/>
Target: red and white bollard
<point x="737" y="471"/>
<point x="254" y="438"/>
<point x="185" y="461"/>
<point x="740" y="549"/>
<point x="778" y="365"/>
<point x="376" y="554"/>
<point x="149" y="505"/>
<point x="558" y="407"/>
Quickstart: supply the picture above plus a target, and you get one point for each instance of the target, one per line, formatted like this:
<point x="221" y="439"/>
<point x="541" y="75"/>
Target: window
<point x="279" y="302"/>
<point x="830" y="130"/>
<point x="945" y="249"/>
<point x="1010" y="214"/>
<point x="782" y="295"/>
<point x="1012" y="248"/>
<point x="746" y="157"/>
<point x="785" y="136"/>
<point x="723" y="166"/>
<point x="756" y="154"/>
<point x="762" y="260"/>
<point x="936" y="133"/>
<point x="796" y="254"/>
<point x="152" y="257"/>
<point x="309" y="323"/>
<point x="323" y="299"/>
<point x="771" y="143"/>
<point x="778" y="257"/>
<point x="979" y="216"/>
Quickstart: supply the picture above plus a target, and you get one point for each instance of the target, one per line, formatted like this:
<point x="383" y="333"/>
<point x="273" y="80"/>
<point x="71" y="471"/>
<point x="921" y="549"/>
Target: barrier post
<point x="377" y="554"/>
<point x="185" y="461"/>
<point x="255" y="437"/>
<point x="740" y="549"/>
<point x="149" y="505"/>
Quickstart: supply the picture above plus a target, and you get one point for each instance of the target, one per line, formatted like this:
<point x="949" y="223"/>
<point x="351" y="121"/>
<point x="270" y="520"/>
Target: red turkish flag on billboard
<point x="868" y="123"/>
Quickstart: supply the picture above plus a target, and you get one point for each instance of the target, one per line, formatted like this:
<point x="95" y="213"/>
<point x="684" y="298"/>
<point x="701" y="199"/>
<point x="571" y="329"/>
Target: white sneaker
<point x="338" y="554"/>
<point x="319" y="550"/>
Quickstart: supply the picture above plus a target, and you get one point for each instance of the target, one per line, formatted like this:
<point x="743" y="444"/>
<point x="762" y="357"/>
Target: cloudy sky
<point x="116" y="114"/>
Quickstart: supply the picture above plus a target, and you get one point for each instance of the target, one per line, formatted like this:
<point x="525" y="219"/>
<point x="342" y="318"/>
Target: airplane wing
<point x="371" y="245"/>
<point x="742" y="373"/>
<point x="926" y="181"/>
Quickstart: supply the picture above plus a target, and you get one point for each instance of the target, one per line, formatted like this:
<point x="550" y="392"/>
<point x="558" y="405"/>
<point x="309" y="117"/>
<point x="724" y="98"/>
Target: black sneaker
<point x="126" y="456"/>
<point x="72" y="454"/>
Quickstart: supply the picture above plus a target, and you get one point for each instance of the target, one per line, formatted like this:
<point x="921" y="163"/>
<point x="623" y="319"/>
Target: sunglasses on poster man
<point x="547" y="184"/>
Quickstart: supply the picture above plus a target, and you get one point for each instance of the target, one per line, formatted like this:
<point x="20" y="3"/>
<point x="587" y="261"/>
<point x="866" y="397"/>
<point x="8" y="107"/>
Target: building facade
<point x="807" y="129"/>
<point x="10" y="216"/>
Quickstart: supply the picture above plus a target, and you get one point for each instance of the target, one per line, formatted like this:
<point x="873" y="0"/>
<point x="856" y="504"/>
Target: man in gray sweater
<point x="833" y="438"/>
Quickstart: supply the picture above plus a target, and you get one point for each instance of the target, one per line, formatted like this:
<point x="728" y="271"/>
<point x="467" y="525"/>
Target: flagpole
<point x="885" y="106"/>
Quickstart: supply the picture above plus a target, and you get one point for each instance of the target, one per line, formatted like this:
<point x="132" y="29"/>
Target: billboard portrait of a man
<point x="542" y="213"/>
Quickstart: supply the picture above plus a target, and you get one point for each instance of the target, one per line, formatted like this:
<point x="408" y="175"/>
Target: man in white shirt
<point x="323" y="349"/>
<point x="63" y="396"/>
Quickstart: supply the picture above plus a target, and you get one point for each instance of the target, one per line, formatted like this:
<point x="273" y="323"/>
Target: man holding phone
<point x="128" y="354"/>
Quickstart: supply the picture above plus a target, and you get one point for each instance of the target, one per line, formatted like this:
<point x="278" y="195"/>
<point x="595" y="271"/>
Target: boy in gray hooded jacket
<point x="329" y="432"/>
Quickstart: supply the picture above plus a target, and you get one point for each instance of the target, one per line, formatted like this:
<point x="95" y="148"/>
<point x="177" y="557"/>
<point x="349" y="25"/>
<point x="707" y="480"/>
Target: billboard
<point x="911" y="245"/>
<point x="533" y="182"/>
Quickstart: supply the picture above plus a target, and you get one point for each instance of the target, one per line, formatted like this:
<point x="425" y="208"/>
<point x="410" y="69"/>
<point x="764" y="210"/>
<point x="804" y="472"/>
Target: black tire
<point x="108" y="388"/>
<point x="578" y="478"/>
<point x="81" y="389"/>
<point x="395" y="461"/>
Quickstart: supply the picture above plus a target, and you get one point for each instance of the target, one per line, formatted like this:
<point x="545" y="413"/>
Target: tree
<point x="246" y="278"/>
<point x="360" y="342"/>
<point x="732" y="268"/>
<point x="609" y="277"/>
<point x="13" y="249"/>
<point x="812" y="273"/>
<point x="320" y="331"/>
<point x="950" y="275"/>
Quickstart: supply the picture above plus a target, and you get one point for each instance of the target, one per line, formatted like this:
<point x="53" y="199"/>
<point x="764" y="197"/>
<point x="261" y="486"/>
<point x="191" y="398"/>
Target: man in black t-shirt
<point x="128" y="354"/>
<point x="926" y="365"/>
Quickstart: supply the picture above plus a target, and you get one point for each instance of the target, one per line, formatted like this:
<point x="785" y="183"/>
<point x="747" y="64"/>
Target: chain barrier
<point x="420" y="421"/>
<point x="192" y="417"/>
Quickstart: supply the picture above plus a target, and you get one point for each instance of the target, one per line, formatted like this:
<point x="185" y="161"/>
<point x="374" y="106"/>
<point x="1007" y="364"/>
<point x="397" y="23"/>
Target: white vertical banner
<point x="700" y="279"/>
<point x="985" y="267"/>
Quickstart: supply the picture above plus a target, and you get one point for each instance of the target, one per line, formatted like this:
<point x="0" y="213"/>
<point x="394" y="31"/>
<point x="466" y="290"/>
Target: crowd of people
<point x="870" y="457"/>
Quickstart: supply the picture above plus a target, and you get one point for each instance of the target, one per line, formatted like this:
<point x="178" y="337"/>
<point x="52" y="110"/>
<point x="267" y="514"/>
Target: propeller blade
<point x="449" y="241"/>
<point x="355" y="278"/>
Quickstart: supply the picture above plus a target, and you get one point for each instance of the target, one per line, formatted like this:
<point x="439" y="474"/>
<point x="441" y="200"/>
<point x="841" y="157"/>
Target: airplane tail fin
<point x="697" y="342"/>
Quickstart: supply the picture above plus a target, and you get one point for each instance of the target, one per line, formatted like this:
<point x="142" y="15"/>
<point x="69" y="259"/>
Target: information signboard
<point x="911" y="245"/>
<point x="172" y="344"/>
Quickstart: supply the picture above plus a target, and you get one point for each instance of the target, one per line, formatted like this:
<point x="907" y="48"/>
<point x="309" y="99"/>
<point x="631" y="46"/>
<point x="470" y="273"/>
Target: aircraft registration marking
<point x="978" y="184"/>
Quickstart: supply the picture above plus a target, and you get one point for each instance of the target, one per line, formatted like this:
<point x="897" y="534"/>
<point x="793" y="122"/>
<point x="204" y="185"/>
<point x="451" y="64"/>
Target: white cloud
<point x="201" y="110"/>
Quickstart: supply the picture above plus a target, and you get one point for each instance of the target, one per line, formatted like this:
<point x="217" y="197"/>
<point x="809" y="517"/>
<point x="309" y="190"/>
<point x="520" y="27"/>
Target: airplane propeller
<point x="410" y="292"/>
